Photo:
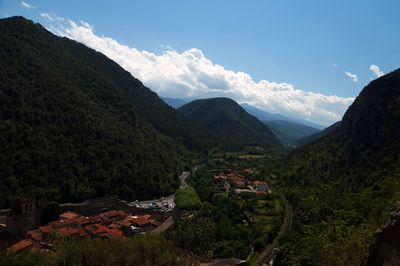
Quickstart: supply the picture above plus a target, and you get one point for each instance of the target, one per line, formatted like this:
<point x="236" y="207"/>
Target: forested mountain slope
<point x="318" y="135"/>
<point x="343" y="184"/>
<point x="289" y="132"/>
<point x="74" y="124"/>
<point x="231" y="124"/>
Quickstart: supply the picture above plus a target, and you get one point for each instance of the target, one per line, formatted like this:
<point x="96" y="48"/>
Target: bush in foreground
<point x="139" y="250"/>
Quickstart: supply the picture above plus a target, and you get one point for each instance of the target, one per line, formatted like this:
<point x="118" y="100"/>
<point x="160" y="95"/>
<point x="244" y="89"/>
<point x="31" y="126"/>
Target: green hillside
<point x="289" y="132"/>
<point x="343" y="185"/>
<point x="74" y="124"/>
<point x="311" y="138"/>
<point x="230" y="123"/>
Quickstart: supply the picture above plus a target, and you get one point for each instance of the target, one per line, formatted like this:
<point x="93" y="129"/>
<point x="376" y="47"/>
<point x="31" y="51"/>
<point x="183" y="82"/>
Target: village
<point x="22" y="228"/>
<point x="117" y="220"/>
<point x="233" y="179"/>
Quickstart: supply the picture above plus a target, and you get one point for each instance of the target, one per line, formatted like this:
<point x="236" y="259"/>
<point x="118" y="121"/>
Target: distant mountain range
<point x="231" y="124"/>
<point x="174" y="102"/>
<point x="267" y="116"/>
<point x="288" y="130"/>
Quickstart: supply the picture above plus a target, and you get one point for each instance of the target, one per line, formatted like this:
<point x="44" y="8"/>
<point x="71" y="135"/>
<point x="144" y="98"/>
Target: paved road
<point x="164" y="226"/>
<point x="182" y="178"/>
<point x="267" y="255"/>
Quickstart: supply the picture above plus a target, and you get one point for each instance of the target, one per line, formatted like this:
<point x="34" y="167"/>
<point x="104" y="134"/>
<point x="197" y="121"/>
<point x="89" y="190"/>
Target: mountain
<point x="289" y="132"/>
<point x="261" y="114"/>
<point x="267" y="116"/>
<point x="343" y="185"/>
<point x="232" y="125"/>
<point x="74" y="124"/>
<point x="308" y="139"/>
<point x="174" y="102"/>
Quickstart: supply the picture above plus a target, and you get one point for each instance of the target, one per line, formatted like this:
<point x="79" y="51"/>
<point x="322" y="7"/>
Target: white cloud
<point x="335" y="65"/>
<point x="47" y="16"/>
<point x="376" y="70"/>
<point x="26" y="5"/>
<point x="191" y="74"/>
<point x="352" y="76"/>
<point x="51" y="17"/>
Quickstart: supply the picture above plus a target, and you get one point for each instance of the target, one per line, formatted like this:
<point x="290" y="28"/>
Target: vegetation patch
<point x="187" y="199"/>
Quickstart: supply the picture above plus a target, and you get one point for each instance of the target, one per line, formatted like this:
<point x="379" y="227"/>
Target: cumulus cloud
<point x="26" y="5"/>
<point x="190" y="74"/>
<point x="352" y="76"/>
<point x="376" y="70"/>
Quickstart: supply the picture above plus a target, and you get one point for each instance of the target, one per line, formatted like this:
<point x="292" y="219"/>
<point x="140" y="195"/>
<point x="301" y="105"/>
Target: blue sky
<point x="309" y="44"/>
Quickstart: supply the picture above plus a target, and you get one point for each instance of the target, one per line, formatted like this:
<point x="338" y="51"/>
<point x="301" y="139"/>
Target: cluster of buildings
<point x="114" y="224"/>
<point x="233" y="179"/>
<point x="106" y="218"/>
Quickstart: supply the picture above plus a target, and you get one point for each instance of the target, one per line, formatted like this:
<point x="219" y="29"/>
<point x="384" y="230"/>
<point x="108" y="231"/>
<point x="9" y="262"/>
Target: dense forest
<point x="230" y="123"/>
<point x="74" y="124"/>
<point x="343" y="185"/>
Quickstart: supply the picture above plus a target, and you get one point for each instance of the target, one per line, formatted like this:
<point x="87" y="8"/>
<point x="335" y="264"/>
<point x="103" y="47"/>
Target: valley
<point x="97" y="169"/>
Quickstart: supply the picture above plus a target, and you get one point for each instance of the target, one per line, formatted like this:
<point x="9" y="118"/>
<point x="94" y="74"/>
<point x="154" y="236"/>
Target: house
<point x="109" y="217"/>
<point x="75" y="222"/>
<point x="70" y="231"/>
<point x="236" y="180"/>
<point x="36" y="235"/>
<point x="138" y="223"/>
<point x="68" y="215"/>
<point x="260" y="186"/>
<point x="24" y="244"/>
<point x="102" y="231"/>
<point x="114" y="224"/>
<point x="247" y="171"/>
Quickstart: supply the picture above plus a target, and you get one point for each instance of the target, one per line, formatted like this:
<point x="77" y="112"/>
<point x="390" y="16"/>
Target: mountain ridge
<point x="234" y="127"/>
<point x="343" y="184"/>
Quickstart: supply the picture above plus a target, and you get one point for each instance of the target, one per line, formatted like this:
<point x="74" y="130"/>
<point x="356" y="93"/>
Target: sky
<point x="306" y="58"/>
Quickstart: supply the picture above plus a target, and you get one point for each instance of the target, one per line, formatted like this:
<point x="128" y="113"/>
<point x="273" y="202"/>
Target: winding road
<point x="182" y="179"/>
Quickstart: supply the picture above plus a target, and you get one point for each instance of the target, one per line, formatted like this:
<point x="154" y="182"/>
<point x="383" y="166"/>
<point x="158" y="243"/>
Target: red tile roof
<point x="113" y="233"/>
<point x="36" y="247"/>
<point x="69" y="215"/>
<point x="23" y="244"/>
<point x="141" y="219"/>
<point x="69" y="231"/>
<point x="46" y="229"/>
<point x="81" y="220"/>
<point x="35" y="235"/>
<point x="219" y="177"/>
<point x="96" y="229"/>
<point x="113" y="214"/>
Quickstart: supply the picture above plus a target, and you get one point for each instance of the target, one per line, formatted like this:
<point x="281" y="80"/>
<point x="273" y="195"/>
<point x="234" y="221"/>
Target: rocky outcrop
<point x="385" y="249"/>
